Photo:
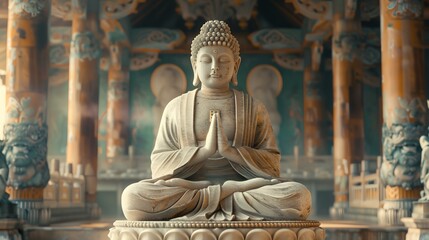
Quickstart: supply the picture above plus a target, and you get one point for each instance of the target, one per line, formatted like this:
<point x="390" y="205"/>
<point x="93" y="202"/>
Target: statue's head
<point x="215" y="55"/>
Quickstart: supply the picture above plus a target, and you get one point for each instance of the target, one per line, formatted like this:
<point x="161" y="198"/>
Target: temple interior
<point x="84" y="84"/>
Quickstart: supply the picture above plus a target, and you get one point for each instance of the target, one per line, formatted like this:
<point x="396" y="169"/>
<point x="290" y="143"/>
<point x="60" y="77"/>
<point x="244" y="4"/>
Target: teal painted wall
<point x="290" y="106"/>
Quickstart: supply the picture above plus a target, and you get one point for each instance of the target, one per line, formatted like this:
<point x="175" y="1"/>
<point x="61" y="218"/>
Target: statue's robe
<point x="181" y="189"/>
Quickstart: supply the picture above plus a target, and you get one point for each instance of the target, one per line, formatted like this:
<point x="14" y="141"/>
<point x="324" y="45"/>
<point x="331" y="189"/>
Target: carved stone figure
<point x="424" y="176"/>
<point x="25" y="152"/>
<point x="215" y="156"/>
<point x="400" y="166"/>
<point x="7" y="209"/>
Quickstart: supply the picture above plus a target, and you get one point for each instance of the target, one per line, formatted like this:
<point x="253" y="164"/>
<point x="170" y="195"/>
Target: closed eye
<point x="205" y="59"/>
<point x="224" y="60"/>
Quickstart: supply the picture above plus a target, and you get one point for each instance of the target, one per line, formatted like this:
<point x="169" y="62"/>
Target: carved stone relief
<point x="346" y="45"/>
<point x="405" y="8"/>
<point x="84" y="45"/>
<point x="401" y="163"/>
<point x="29" y="7"/>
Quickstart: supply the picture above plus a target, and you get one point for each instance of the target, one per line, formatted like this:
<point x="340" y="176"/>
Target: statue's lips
<point x="215" y="76"/>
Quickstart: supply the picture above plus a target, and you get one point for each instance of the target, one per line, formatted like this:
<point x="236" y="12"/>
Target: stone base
<point x="33" y="212"/>
<point x="418" y="228"/>
<point x="420" y="210"/>
<point x="339" y="210"/>
<point x="9" y="229"/>
<point x="418" y="225"/>
<point x="214" y="230"/>
<point x="393" y="211"/>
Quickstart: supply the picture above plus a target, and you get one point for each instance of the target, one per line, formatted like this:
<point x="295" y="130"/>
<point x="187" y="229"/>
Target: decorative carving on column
<point x="401" y="150"/>
<point x="84" y="45"/>
<point x="59" y="55"/>
<point x="405" y="8"/>
<point x="30" y="7"/>
<point x="276" y="39"/>
<point x="401" y="146"/>
<point x="346" y="45"/>
<point x="313" y="9"/>
<point x="289" y="61"/>
<point x="25" y="153"/>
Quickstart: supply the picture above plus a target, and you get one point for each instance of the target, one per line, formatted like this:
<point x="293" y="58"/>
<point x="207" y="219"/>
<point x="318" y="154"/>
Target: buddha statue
<point x="215" y="155"/>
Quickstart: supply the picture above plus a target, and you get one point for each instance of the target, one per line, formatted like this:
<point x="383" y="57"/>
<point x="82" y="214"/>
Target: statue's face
<point x="215" y="67"/>
<point x="25" y="152"/>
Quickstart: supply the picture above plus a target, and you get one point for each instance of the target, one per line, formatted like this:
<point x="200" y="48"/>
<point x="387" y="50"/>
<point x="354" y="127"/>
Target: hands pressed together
<point x="216" y="139"/>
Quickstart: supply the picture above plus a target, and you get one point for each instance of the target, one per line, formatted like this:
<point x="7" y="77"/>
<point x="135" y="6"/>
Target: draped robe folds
<point x="171" y="195"/>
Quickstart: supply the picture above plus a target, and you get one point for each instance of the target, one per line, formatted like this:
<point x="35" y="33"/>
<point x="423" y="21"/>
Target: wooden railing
<point x="365" y="188"/>
<point x="65" y="189"/>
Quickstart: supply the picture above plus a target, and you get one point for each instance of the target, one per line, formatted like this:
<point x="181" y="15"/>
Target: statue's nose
<point x="215" y="67"/>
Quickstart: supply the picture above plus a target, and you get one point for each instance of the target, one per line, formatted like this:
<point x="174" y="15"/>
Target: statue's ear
<point x="236" y="67"/>
<point x="196" y="80"/>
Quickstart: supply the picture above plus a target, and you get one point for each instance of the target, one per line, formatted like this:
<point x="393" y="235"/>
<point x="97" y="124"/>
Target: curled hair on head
<point x="215" y="33"/>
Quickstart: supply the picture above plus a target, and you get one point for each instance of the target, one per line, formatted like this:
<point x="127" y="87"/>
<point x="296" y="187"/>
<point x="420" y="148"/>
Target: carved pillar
<point x="83" y="93"/>
<point x="345" y="41"/>
<point x="117" y="103"/>
<point x="404" y="110"/>
<point x="25" y="130"/>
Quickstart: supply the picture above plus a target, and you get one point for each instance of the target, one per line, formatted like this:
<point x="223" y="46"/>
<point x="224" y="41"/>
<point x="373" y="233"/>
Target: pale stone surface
<point x="214" y="230"/>
<point x="215" y="156"/>
<point x="418" y="228"/>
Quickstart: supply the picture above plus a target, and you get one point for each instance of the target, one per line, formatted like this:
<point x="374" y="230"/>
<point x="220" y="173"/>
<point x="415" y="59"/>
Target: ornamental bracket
<point x="313" y="10"/>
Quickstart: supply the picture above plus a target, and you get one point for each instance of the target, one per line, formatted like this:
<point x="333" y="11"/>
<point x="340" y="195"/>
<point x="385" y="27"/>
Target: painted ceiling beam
<point x="216" y="9"/>
<point x="277" y="38"/>
<point x="311" y="9"/>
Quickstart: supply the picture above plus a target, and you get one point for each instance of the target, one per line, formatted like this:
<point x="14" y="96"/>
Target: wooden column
<point x="26" y="82"/>
<point x="118" y="104"/>
<point x="314" y="112"/>
<point x="345" y="42"/>
<point x="83" y="93"/>
<point x="356" y="123"/>
<point x="404" y="106"/>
